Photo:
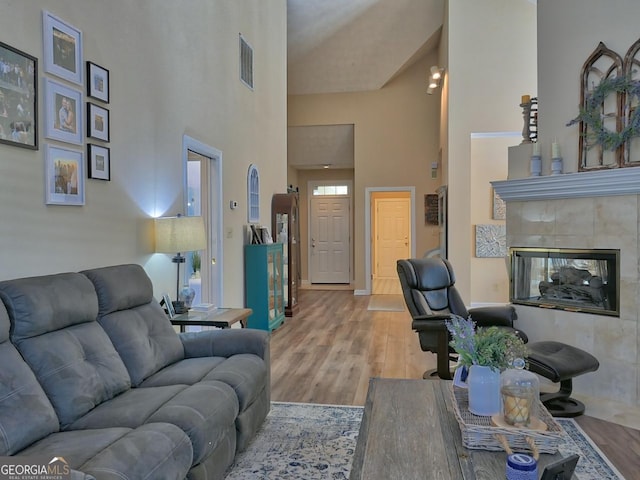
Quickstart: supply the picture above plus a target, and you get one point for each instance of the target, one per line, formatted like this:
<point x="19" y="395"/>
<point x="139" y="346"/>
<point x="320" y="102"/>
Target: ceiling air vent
<point x="246" y="63"/>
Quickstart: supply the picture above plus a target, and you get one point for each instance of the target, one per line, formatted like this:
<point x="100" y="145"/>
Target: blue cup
<point x="521" y="467"/>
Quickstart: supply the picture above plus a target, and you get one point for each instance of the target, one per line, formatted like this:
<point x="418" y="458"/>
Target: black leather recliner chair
<point x="428" y="286"/>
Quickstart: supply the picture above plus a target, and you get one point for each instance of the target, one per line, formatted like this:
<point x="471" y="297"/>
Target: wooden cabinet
<point x="286" y="230"/>
<point x="263" y="276"/>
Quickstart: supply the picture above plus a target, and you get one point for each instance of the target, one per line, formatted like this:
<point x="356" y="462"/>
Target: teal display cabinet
<point x="264" y="293"/>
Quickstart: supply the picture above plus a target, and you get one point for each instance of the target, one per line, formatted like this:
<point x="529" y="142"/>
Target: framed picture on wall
<point x="63" y="113"/>
<point x="97" y="82"/>
<point x="64" y="176"/>
<point x="18" y="98"/>
<point x="99" y="161"/>
<point x="62" y="48"/>
<point x="97" y="122"/>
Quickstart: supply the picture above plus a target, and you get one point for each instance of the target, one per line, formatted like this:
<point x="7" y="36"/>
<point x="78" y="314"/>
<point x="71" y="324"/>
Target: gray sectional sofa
<point x="92" y="371"/>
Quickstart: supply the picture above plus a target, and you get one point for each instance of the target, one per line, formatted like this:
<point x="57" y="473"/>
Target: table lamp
<point x="177" y="235"/>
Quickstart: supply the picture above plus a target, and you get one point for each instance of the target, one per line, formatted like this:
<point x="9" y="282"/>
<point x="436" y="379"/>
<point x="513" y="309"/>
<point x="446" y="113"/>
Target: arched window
<point x="253" y="194"/>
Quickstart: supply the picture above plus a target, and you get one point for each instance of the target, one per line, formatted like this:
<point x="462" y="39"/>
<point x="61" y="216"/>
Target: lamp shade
<point x="179" y="234"/>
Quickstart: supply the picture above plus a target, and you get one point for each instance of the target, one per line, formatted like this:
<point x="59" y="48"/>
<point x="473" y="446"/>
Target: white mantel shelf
<point x="601" y="183"/>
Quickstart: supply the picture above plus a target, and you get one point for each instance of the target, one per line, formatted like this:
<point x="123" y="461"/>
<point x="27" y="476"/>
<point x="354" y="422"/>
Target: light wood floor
<point x="330" y="349"/>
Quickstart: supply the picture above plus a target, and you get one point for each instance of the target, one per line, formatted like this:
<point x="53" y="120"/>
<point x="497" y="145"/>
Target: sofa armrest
<point x="226" y="342"/>
<point x="499" y="315"/>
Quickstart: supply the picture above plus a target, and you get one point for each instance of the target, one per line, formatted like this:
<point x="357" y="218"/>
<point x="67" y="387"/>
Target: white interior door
<point x="392" y="235"/>
<point x="329" y="249"/>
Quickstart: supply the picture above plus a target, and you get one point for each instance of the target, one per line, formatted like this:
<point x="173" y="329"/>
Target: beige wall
<point x="173" y="71"/>
<point x="489" y="161"/>
<point x="491" y="64"/>
<point x="396" y="139"/>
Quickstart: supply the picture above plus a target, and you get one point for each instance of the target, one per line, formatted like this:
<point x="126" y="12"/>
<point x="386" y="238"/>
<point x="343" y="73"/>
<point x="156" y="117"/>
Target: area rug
<point x="386" y="303"/>
<point x="317" y="442"/>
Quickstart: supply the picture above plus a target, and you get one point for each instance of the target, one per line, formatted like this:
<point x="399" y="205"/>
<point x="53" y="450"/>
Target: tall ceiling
<point x="337" y="46"/>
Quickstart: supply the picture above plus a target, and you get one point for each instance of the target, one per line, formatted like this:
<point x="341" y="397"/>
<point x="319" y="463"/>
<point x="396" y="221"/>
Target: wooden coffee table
<point x="409" y="431"/>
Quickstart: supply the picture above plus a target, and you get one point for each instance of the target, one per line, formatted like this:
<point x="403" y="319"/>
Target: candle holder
<point x="526" y="114"/>
<point x="536" y="165"/>
<point x="556" y="166"/>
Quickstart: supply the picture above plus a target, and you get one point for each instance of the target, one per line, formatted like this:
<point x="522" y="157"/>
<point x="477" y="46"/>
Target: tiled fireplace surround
<point x="597" y="209"/>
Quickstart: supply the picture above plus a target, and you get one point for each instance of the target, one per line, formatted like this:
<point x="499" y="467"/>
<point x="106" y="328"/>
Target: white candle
<point x="536" y="149"/>
<point x="555" y="150"/>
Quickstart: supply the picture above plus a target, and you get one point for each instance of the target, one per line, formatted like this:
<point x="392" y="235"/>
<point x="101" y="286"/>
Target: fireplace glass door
<point x="575" y="280"/>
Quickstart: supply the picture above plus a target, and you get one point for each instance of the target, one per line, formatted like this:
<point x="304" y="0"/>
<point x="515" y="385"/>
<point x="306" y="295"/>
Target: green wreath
<point x="591" y="113"/>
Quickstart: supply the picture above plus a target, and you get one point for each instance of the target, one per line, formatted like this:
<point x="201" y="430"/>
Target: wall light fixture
<point x="435" y="75"/>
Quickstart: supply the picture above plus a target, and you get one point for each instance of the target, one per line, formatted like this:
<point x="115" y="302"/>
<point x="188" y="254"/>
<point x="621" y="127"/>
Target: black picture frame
<point x="562" y="469"/>
<point x="99" y="162"/>
<point x="97" y="122"/>
<point x="97" y="82"/>
<point x="18" y="98"/>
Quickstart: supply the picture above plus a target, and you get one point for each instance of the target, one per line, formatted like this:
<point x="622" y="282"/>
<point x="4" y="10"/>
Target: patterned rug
<point x="316" y="442"/>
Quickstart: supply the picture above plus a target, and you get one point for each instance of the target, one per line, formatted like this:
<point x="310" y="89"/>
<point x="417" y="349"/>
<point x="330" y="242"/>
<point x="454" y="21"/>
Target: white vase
<point x="484" y="391"/>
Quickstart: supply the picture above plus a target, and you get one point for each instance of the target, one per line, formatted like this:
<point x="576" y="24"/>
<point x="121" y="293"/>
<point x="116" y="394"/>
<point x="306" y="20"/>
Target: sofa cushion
<point x="203" y="411"/>
<point x="187" y="371"/>
<point x="48" y="303"/>
<point x="133" y="319"/>
<point x="54" y="327"/>
<point x="26" y="415"/>
<point x="155" y="450"/>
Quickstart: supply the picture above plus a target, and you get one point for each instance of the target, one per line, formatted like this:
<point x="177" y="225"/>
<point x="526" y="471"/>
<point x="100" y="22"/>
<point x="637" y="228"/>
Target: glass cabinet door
<point x="285" y="226"/>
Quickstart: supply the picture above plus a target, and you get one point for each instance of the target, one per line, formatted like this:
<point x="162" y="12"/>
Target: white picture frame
<point x="62" y="48"/>
<point x="65" y="127"/>
<point x="64" y="176"/>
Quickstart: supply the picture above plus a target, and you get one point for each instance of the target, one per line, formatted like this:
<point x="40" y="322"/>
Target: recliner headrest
<point x="432" y="273"/>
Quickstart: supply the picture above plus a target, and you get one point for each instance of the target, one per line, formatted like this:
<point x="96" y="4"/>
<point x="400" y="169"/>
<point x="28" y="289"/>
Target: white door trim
<point x="215" y="156"/>
<point x="310" y="186"/>
<point x="367" y="230"/>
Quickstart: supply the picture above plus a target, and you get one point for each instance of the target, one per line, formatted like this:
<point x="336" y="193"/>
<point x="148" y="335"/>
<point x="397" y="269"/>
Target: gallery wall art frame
<point x="491" y="241"/>
<point x="63" y="113"/>
<point x="99" y="162"/>
<point x="64" y="176"/>
<point x="97" y="122"/>
<point x="18" y="98"/>
<point x="97" y="82"/>
<point x="62" y="48"/>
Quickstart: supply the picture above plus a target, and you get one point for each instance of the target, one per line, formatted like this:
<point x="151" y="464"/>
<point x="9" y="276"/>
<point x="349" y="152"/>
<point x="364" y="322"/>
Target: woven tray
<point x="479" y="433"/>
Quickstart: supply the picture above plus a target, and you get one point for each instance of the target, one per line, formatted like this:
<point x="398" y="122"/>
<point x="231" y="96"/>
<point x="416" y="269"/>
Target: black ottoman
<point x="560" y="362"/>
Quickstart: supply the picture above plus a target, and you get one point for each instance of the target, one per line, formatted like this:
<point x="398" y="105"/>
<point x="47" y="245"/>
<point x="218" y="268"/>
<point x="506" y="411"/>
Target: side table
<point x="220" y="317"/>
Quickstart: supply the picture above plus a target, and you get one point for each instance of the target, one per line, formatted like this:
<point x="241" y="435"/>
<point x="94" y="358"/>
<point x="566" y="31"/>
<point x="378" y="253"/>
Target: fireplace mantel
<point x="600" y="183"/>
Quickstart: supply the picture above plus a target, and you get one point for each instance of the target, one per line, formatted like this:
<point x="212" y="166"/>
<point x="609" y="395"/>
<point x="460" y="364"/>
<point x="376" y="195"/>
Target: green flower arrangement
<point x="487" y="346"/>
<point x="591" y="113"/>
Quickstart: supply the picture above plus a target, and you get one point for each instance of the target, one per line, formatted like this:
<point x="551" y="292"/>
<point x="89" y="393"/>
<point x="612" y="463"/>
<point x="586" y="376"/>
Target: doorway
<point x="395" y="223"/>
<point x="390" y="239"/>
<point x="203" y="197"/>
<point x="330" y="234"/>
